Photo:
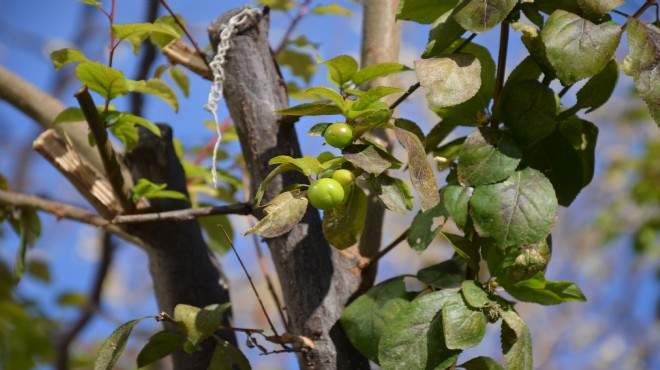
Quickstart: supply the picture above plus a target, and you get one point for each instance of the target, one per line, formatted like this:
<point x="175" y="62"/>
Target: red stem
<point x="209" y="145"/>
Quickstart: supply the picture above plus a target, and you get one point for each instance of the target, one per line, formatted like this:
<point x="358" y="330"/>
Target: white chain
<point x="217" y="68"/>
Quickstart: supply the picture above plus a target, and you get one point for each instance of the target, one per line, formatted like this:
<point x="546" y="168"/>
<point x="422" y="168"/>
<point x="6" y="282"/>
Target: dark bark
<point x="182" y="268"/>
<point x="317" y="280"/>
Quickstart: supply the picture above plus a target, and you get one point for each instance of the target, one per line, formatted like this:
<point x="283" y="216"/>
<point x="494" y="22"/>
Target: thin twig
<point x="107" y="153"/>
<point x="254" y="289"/>
<point x="501" y="61"/>
<point x="62" y="210"/>
<point x="621" y="13"/>
<point x="146" y="60"/>
<point x="564" y="90"/>
<point x="107" y="253"/>
<point x="640" y="11"/>
<point x="302" y="12"/>
<point x="387" y="249"/>
<point x="185" y="214"/>
<point x="185" y="30"/>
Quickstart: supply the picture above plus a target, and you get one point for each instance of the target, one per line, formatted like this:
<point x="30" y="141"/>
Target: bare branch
<point x="186" y="214"/>
<point x="178" y="52"/>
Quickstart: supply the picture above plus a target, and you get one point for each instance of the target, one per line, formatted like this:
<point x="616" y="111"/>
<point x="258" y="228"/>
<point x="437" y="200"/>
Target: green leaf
<point x="529" y="109"/>
<point x="106" y="81"/>
<point x="528" y="69"/>
<point x="516" y="342"/>
<point x="444" y="275"/>
<point x="549" y="6"/>
<point x="475" y="295"/>
<point x="479" y="16"/>
<point x="318" y="129"/>
<point x="421" y="172"/>
<point x="262" y="187"/>
<point x="414" y="340"/>
<point x="137" y="120"/>
<point x="300" y="64"/>
<point x="377" y="118"/>
<point x="374" y="94"/>
<point x="370" y="72"/>
<point x="147" y="189"/>
<point x="366" y="318"/>
<point x="227" y="357"/>
<point x="423" y="11"/>
<point x="91" y="2"/>
<point x="310" y="109"/>
<point x="331" y="9"/>
<point x="367" y="158"/>
<point x="482" y="363"/>
<point x="455" y="199"/>
<point x="451" y="78"/>
<point x="517" y="212"/>
<point x="595" y="9"/>
<point x="113" y="346"/>
<point x="278" y="4"/>
<point x="488" y="155"/>
<point x="534" y="44"/>
<point x="197" y="323"/>
<point x="63" y="57"/>
<point x="393" y="193"/>
<point x="643" y="63"/>
<point x="25" y="222"/>
<point x="329" y="94"/>
<point x="282" y="214"/>
<point x="39" y="270"/>
<point x="159" y="345"/>
<point x="341" y="69"/>
<point x="180" y="79"/>
<point x="598" y="89"/>
<point x="583" y="136"/>
<point x="126" y="132"/>
<point x="539" y="290"/>
<point x="343" y="225"/>
<point x="72" y="299"/>
<point x="136" y="33"/>
<point x="421" y="232"/>
<point x="520" y="265"/>
<point x="71" y="114"/>
<point x="216" y="239"/>
<point x="156" y="88"/>
<point x="464" y="327"/>
<point x="577" y="48"/>
<point x="464" y="248"/>
<point x="308" y="165"/>
<point x="444" y="32"/>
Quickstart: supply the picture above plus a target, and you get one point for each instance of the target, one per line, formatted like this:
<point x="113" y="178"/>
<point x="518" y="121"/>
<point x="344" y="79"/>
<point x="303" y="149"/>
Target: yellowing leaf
<point x="451" y="79"/>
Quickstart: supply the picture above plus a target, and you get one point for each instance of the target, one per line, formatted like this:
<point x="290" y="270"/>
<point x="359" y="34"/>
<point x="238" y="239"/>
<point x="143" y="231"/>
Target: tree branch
<point x="62" y="210"/>
<point x="185" y="30"/>
<point x="501" y="61"/>
<point x="178" y="52"/>
<point x="185" y="214"/>
<point x="302" y="11"/>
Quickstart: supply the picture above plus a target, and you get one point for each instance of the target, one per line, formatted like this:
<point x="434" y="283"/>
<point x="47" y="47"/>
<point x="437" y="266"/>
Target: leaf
<point x="444" y="32"/>
<point x="159" y="345"/>
<point x="278" y="4"/>
<point x="370" y="72"/>
<point x="106" y="81"/>
<point x="464" y="327"/>
<point x="446" y="154"/>
<point x="343" y="225"/>
<point x="455" y="199"/>
<point x="517" y="212"/>
<point x="341" y="68"/>
<point x="307" y="165"/>
<point x="137" y="120"/>
<point x="516" y="342"/>
<point x="528" y="69"/>
<point x="393" y="193"/>
<point x="421" y="232"/>
<point x="367" y="158"/>
<point x="127" y="133"/>
<point x="72" y="299"/>
<point x="366" y="318"/>
<point x="451" y="78"/>
<point x="71" y="114"/>
<point x="262" y="187"/>
<point x="227" y="357"/>
<point x="539" y="290"/>
<point x="643" y="63"/>
<point x="329" y="94"/>
<point x="583" y="136"/>
<point x="91" y="2"/>
<point x="479" y="16"/>
<point x="63" y="57"/>
<point x="282" y="214"/>
<point x="216" y="239"/>
<point x="414" y="339"/>
<point x="318" y="129"/>
<point x="464" y="248"/>
<point x="180" y="79"/>
<point x="198" y="324"/>
<point x="331" y="9"/>
<point x="577" y="48"/>
<point x="598" y="89"/>
<point x="423" y="11"/>
<point x="549" y="6"/>
<point x="595" y="9"/>
<point x="487" y="156"/>
<point x="520" y="265"/>
<point x="529" y="109"/>
<point x="444" y="275"/>
<point x="136" y="33"/>
<point x="482" y="363"/>
<point x="27" y="225"/>
<point x="156" y="88"/>
<point x="421" y="173"/>
<point x="113" y="346"/>
<point x="374" y="94"/>
<point x="310" y="109"/>
<point x="377" y="118"/>
<point x="300" y="64"/>
<point x="534" y="44"/>
<point x="475" y="295"/>
<point x="147" y="189"/>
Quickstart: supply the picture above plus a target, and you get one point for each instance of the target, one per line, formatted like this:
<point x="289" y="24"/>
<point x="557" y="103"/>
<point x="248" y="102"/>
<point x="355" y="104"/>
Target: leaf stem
<point x="501" y="61"/>
<point x="640" y="11"/>
<point x="565" y="90"/>
<point x="387" y="249"/>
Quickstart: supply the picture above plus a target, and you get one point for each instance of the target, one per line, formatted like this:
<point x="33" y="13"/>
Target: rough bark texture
<point x="317" y="280"/>
<point x="181" y="266"/>
<point x="381" y="41"/>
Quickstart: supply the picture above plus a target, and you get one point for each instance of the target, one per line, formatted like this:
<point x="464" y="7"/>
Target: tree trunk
<point x="317" y="280"/>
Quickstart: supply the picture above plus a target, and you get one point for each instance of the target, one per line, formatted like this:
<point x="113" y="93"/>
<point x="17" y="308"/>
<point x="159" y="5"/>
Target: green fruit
<point x="325" y="156"/>
<point x="325" y="194"/>
<point x="344" y="177"/>
<point x="339" y="135"/>
<point x="328" y="175"/>
<point x="189" y="348"/>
